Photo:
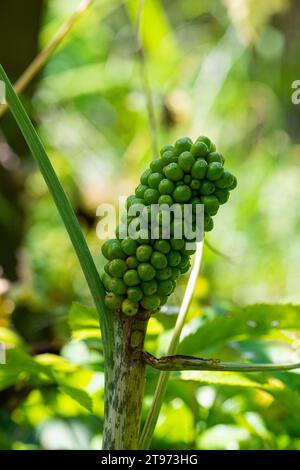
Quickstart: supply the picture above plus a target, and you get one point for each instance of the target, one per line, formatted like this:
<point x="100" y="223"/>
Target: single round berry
<point x="206" y="140"/>
<point x="149" y="287"/>
<point x="166" y="186"/>
<point x="113" y="301"/>
<point x="129" y="246"/>
<point x="173" y="172"/>
<point x="144" y="252"/>
<point x="158" y="260"/>
<point x="208" y="223"/>
<point x="234" y="184"/>
<point x="182" y="193"/>
<point x="157" y="165"/>
<point x="182" y="144"/>
<point x="151" y="196"/>
<point x="145" y="176"/>
<point x="186" y="161"/>
<point x="146" y="271"/>
<point x="214" y="171"/>
<point x="140" y="190"/>
<point x="154" y="180"/>
<point x="115" y="250"/>
<point x="195" y="184"/>
<point x="117" y="268"/>
<point x="105" y="278"/>
<point x="215" y="157"/>
<point x="131" y="278"/>
<point x="199" y="149"/>
<point x="185" y="268"/>
<point x="135" y="294"/>
<point x="163" y="299"/>
<point x="165" y="199"/>
<point x="166" y="148"/>
<point x="163" y="246"/>
<point x="211" y="204"/>
<point x="222" y="195"/>
<point x="129" y="307"/>
<point x="175" y="273"/>
<point x="165" y="287"/>
<point x="225" y="181"/>
<point x="177" y="244"/>
<point x="105" y="248"/>
<point x="132" y="262"/>
<point x="151" y="302"/>
<point x="187" y="179"/>
<point x="199" y="169"/>
<point x="207" y="188"/>
<point x="106" y="267"/>
<point x="117" y="286"/>
<point x="174" y="258"/>
<point x="164" y="274"/>
<point x="169" y="157"/>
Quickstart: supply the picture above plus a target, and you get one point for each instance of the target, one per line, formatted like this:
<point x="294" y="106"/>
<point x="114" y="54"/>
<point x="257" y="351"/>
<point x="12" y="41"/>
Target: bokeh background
<point x="221" y="68"/>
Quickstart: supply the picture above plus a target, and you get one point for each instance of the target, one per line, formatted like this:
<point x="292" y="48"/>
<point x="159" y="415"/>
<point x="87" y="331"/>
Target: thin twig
<point x="36" y="65"/>
<point x="180" y="362"/>
<point x="145" y="80"/>
<point x="159" y="394"/>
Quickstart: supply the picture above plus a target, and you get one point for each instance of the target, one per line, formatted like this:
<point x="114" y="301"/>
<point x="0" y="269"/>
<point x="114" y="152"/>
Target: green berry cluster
<point x="142" y="273"/>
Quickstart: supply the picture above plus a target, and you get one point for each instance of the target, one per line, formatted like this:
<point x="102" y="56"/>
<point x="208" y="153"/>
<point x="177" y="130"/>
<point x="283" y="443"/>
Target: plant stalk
<point x="125" y="391"/>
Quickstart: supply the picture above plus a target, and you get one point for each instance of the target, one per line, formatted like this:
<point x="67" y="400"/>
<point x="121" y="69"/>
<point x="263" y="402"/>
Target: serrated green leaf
<point x="254" y="320"/>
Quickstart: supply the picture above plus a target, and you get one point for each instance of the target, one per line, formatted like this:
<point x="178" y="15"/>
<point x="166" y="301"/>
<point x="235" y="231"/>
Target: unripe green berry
<point x="117" y="268"/>
<point x="199" y="149"/>
<point x="132" y="262"/>
<point x="177" y="244"/>
<point x="105" y="278"/>
<point x="173" y="172"/>
<point x="151" y="302"/>
<point x="151" y="196"/>
<point x="146" y="271"/>
<point x="206" y="140"/>
<point x="173" y="258"/>
<point x="158" y="260"/>
<point x="164" y="274"/>
<point x="207" y="188"/>
<point x="166" y="186"/>
<point x="199" y="169"/>
<point x="182" y="144"/>
<point x="145" y="176"/>
<point x="165" y="199"/>
<point x="208" y="223"/>
<point x="144" y="252"/>
<point x="129" y="307"/>
<point x="140" y="190"/>
<point x="211" y="204"/>
<point x="165" y="287"/>
<point x="135" y="294"/>
<point x="169" y="157"/>
<point x="163" y="246"/>
<point x="131" y="278"/>
<point x="186" y="161"/>
<point x="154" y="180"/>
<point x="113" y="301"/>
<point x="187" y="179"/>
<point x="129" y="246"/>
<point x="149" y="287"/>
<point x="215" y="157"/>
<point x="222" y="195"/>
<point x="225" y="181"/>
<point x="234" y="184"/>
<point x="115" y="250"/>
<point x="166" y="148"/>
<point x="175" y="273"/>
<point x="215" y="171"/>
<point x="195" y="184"/>
<point x="182" y="194"/>
<point x="117" y="286"/>
<point x="157" y="165"/>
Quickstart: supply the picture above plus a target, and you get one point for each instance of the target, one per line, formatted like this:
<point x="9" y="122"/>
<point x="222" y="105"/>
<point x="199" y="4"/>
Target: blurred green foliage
<point x="221" y="68"/>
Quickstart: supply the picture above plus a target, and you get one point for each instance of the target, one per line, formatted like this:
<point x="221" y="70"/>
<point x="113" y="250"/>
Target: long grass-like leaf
<point x="67" y="214"/>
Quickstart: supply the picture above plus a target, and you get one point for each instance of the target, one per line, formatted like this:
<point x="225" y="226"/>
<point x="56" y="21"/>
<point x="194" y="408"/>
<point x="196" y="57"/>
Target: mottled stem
<point x="125" y="390"/>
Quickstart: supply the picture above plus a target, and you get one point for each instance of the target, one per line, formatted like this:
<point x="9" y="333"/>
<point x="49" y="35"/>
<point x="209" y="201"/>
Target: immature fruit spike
<point x="142" y="272"/>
